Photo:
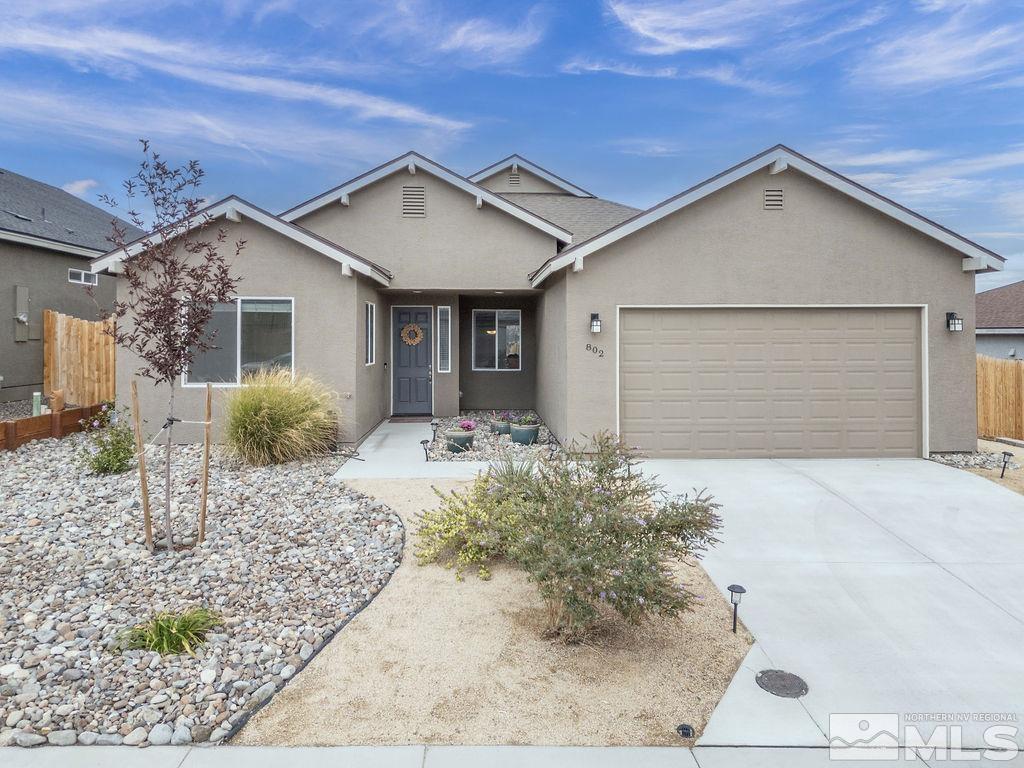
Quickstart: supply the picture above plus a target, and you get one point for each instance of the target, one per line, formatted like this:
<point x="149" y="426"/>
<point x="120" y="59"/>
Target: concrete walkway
<point x="462" y="757"/>
<point x="394" y="450"/>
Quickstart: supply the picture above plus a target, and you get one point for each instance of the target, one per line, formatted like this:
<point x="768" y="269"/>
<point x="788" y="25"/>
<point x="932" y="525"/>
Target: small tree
<point x="173" y="277"/>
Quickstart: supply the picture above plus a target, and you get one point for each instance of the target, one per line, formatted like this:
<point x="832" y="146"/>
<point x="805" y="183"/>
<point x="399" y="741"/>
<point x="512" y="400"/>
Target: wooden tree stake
<point x="141" y="451"/>
<point x="206" y="463"/>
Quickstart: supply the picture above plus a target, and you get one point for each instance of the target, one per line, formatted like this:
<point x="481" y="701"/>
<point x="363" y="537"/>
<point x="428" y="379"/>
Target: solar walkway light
<point x="1007" y="455"/>
<point x="736" y="593"/>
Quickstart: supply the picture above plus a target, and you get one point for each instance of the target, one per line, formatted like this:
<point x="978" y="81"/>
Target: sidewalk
<point x="394" y="451"/>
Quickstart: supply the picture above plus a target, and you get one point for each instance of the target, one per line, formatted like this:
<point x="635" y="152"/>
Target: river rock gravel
<point x="979" y="460"/>
<point x="288" y="558"/>
<point x="487" y="445"/>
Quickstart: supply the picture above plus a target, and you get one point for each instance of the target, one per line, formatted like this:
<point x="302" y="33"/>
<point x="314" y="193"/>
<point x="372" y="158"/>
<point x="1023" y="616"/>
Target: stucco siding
<point x="495" y="390"/>
<point x="326" y="342"/>
<point x="1000" y="345"/>
<point x="45" y="274"/>
<point x="528" y="182"/>
<point x="456" y="246"/>
<point x="551" y="355"/>
<point x="823" y="248"/>
<point x="371" y="380"/>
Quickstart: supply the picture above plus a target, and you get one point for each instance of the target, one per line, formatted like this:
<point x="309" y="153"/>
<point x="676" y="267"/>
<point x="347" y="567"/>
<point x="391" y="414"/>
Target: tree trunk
<point x="167" y="473"/>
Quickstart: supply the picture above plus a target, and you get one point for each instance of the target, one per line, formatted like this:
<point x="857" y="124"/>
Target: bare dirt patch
<point x="435" y="661"/>
<point x="1014" y="479"/>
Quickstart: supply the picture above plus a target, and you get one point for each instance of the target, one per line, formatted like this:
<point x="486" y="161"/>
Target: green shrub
<point x="598" y="532"/>
<point x="171" y="633"/>
<point x="274" y="418"/>
<point x="469" y="529"/>
<point x="111" y="448"/>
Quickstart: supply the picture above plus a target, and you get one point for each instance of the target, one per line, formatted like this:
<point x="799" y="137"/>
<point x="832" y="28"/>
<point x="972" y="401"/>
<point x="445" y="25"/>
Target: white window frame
<point x="472" y="351"/>
<point x="448" y="309"/>
<point x="88" y="278"/>
<point x="238" y="344"/>
<point x="370" y="333"/>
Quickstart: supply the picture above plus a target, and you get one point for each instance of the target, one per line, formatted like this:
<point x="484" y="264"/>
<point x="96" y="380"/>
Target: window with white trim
<point x="497" y="340"/>
<point x="444" y="339"/>
<point x="81" y="277"/>
<point x="248" y="335"/>
<point x="370" y="333"/>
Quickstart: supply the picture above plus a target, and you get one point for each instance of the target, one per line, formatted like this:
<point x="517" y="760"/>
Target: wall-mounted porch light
<point x="954" y="322"/>
<point x="595" y="322"/>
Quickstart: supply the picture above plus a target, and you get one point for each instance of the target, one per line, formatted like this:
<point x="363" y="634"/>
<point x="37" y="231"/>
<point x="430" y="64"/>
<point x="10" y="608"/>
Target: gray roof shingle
<point x="1001" y="307"/>
<point x="583" y="216"/>
<point x="30" y="207"/>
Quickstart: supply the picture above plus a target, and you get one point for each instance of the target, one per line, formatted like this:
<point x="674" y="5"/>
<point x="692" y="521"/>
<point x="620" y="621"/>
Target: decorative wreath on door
<point x="411" y="334"/>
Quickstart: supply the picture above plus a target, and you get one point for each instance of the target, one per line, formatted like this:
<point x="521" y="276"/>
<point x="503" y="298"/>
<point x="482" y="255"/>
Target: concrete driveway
<point x="890" y="586"/>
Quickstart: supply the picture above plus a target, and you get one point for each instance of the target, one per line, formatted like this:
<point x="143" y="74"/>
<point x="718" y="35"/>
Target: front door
<point x="412" y="372"/>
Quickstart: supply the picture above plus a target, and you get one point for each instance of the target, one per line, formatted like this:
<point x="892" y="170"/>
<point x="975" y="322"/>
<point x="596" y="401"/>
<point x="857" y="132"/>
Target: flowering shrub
<point x="466" y="425"/>
<point x="598" y="532"/>
<point x="111" y="448"/>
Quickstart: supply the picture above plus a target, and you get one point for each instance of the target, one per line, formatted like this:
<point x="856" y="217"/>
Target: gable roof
<point x="414" y="160"/>
<point x="521" y="162"/>
<point x="780" y="158"/>
<point x="1000" y="307"/>
<point x="233" y="208"/>
<point x="583" y="216"/>
<point x="42" y="215"/>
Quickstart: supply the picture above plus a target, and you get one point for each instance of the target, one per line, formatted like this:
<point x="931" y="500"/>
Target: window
<point x="371" y="333"/>
<point x="497" y="340"/>
<point x="444" y="339"/>
<point x="414" y="202"/>
<point x="249" y="335"/>
<point x="82" y="278"/>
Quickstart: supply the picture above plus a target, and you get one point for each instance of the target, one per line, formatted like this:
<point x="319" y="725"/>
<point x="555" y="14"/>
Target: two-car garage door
<point x="727" y="382"/>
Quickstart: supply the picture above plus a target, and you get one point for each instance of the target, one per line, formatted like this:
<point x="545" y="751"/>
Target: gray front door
<point x="412" y="374"/>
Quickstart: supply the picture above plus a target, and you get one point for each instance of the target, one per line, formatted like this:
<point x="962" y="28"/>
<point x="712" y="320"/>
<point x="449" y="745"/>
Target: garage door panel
<point x="771" y="382"/>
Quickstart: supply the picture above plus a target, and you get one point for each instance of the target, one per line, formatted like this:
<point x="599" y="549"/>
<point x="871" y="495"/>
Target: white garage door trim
<point x="924" y="346"/>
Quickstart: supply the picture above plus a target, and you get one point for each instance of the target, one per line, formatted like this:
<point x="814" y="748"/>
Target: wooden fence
<point x="78" y="358"/>
<point x="1000" y="397"/>
<point x="57" y="424"/>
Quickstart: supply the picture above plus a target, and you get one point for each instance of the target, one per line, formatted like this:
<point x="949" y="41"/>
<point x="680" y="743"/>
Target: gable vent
<point x="513" y="179"/>
<point x="414" y="201"/>
<point x="773" y="200"/>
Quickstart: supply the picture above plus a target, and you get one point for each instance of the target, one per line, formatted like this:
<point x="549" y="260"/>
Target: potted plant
<point x="525" y="429"/>
<point x="500" y="422"/>
<point x="460" y="437"/>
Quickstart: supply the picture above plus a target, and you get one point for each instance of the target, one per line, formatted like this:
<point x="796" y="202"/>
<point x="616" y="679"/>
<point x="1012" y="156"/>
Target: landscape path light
<point x="736" y="593"/>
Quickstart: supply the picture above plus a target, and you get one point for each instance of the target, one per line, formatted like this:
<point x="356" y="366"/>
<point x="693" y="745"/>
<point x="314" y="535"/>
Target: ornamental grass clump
<point x="171" y="633"/>
<point x="598" y="533"/>
<point x="274" y="418"/>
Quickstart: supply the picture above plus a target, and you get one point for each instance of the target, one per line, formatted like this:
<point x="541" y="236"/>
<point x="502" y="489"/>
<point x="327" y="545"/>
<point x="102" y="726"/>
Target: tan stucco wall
<point x="496" y="390"/>
<point x="371" y="393"/>
<point x="551" y="355"/>
<point x="45" y="274"/>
<point x="824" y="248"/>
<point x="456" y="246"/>
<point x="327" y="342"/>
<point x="528" y="182"/>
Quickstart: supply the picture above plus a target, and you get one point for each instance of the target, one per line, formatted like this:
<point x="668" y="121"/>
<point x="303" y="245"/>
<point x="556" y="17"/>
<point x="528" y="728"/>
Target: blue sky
<point x="631" y="99"/>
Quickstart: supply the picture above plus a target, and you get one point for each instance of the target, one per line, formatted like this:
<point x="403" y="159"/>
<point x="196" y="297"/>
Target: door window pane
<point x="218" y="364"/>
<point x="266" y="335"/>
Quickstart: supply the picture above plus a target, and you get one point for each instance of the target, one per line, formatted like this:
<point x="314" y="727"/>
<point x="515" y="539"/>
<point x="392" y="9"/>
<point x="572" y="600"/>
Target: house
<point x="776" y="309"/>
<point x="47" y="237"/>
<point x="1000" y="321"/>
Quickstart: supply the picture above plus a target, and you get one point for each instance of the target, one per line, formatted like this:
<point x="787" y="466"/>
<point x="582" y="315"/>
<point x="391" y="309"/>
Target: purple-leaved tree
<point x="172" y="278"/>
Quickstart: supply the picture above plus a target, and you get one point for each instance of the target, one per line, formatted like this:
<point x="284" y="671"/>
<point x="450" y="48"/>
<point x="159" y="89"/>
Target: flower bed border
<point x="57" y="424"/>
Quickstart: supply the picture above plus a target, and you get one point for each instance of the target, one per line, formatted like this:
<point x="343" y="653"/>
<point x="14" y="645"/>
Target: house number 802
<point x="595" y="350"/>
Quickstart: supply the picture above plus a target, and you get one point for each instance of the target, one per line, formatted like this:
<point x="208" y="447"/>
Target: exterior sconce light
<point x="736" y="593"/>
<point x="1006" y="460"/>
<point x="954" y="322"/>
<point x="595" y="322"/>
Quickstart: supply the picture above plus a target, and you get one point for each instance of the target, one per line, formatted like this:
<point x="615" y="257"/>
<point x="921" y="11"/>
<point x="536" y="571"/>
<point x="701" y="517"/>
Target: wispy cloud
<point x="649" y="147"/>
<point x="489" y="41"/>
<point x="582" y="65"/>
<point x="885" y="158"/>
<point x="80" y="187"/>
<point x="723" y="74"/>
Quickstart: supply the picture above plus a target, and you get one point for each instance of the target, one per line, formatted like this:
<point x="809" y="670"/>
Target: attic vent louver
<point x="513" y="179"/>
<point x="414" y="202"/>
<point x="773" y="200"/>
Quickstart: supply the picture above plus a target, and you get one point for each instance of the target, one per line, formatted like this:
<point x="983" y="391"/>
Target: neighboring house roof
<point x="234" y="208"/>
<point x="779" y="158"/>
<point x="583" y="216"/>
<point x="411" y="161"/>
<point x="1000" y="308"/>
<point x="518" y="161"/>
<point x="42" y="215"/>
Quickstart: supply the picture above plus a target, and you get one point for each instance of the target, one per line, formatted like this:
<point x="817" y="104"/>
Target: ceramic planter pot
<point x="458" y="442"/>
<point x="500" y="427"/>
<point x="525" y="434"/>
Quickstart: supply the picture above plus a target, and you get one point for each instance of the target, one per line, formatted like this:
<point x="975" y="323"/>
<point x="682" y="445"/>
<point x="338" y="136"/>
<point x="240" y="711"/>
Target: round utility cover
<point x="780" y="683"/>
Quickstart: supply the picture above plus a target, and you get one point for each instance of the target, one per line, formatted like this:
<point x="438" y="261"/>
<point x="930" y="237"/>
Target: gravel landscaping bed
<point x="980" y="460"/>
<point x="15" y="409"/>
<point x="289" y="558"/>
<point x="487" y="445"/>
